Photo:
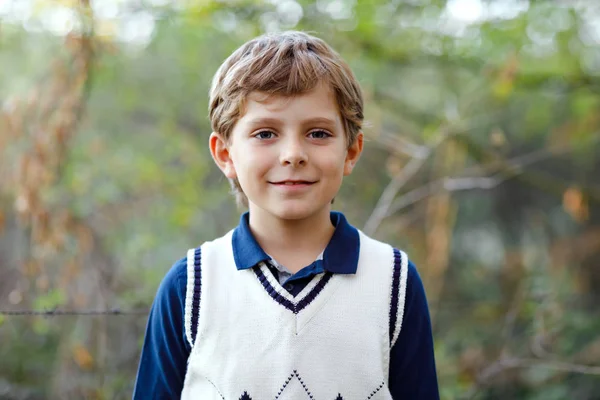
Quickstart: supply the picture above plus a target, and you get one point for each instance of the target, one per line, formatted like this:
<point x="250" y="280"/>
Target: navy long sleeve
<point x="165" y="352"/>
<point x="412" y="363"/>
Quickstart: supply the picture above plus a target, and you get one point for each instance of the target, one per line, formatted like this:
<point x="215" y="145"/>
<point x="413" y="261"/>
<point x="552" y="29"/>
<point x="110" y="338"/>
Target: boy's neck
<point x="293" y="243"/>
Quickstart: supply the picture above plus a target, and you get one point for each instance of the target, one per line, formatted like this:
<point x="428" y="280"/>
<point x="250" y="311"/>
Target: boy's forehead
<point x="320" y="102"/>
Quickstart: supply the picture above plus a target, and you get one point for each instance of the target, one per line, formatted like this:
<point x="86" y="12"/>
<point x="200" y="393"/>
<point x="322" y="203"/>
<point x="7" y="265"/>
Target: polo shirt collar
<point x="340" y="255"/>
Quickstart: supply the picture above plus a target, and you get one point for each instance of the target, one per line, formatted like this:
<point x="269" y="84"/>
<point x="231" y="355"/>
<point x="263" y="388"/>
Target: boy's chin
<point x="297" y="212"/>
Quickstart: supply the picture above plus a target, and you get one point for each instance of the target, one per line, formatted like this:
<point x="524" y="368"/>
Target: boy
<point x="294" y="303"/>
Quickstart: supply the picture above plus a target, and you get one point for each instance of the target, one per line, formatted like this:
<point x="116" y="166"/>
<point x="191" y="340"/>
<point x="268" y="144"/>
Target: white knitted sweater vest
<point x="251" y="339"/>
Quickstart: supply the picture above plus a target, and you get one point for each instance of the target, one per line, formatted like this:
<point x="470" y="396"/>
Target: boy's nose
<point x="294" y="154"/>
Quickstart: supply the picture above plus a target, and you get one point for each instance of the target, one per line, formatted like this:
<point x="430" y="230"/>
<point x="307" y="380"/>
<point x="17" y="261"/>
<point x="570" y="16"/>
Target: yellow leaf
<point x="82" y="357"/>
<point x="503" y="88"/>
<point x="575" y="204"/>
<point x="505" y="83"/>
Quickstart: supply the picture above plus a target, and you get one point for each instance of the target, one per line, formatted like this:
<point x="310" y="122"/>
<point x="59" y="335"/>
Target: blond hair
<point x="286" y="64"/>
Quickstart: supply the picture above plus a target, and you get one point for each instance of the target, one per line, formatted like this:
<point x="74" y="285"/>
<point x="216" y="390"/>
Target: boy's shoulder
<point x="179" y="269"/>
<point x="400" y="256"/>
<point x="368" y="243"/>
<point x="366" y="239"/>
<point x="177" y="273"/>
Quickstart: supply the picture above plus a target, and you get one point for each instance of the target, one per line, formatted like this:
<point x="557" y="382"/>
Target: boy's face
<point x="289" y="154"/>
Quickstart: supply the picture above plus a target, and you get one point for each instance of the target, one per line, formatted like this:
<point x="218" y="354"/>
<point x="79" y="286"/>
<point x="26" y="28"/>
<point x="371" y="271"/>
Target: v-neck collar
<point x="283" y="297"/>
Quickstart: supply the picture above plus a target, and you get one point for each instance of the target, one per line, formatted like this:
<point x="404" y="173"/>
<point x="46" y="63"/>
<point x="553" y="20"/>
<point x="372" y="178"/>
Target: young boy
<point x="294" y="303"/>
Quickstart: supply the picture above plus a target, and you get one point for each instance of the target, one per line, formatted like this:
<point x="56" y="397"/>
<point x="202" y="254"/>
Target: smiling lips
<point x="293" y="186"/>
<point x="292" y="183"/>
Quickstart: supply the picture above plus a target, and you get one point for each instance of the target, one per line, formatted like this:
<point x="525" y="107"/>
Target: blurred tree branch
<point x="505" y="363"/>
<point x="508" y="170"/>
<point x="390" y="192"/>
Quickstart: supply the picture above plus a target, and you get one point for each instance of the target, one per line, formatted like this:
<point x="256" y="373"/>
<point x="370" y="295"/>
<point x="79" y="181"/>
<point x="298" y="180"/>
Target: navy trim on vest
<point x="395" y="291"/>
<point x="197" y="293"/>
<point x="302" y="304"/>
<point x="272" y="292"/>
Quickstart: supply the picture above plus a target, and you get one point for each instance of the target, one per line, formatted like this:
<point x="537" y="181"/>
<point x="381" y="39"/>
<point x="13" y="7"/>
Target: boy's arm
<point x="412" y="362"/>
<point x="163" y="362"/>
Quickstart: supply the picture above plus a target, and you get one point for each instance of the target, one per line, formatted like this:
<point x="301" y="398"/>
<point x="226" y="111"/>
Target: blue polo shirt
<point x="163" y="363"/>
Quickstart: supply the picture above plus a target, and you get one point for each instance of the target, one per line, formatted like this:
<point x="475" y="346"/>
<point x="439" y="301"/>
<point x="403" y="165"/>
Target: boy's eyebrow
<point x="275" y="121"/>
<point x="320" y="120"/>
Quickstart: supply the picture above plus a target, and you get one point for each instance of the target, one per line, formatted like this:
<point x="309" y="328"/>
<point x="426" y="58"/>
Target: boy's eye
<point x="264" y="135"/>
<point x="319" y="134"/>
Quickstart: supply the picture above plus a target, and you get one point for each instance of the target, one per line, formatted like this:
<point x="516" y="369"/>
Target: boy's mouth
<point x="292" y="182"/>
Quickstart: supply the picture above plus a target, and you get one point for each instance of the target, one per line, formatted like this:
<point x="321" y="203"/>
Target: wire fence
<point x="58" y="313"/>
<point x="446" y="306"/>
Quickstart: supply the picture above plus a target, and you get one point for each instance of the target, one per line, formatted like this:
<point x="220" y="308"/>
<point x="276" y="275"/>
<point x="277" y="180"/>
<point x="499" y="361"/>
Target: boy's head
<point x="276" y="80"/>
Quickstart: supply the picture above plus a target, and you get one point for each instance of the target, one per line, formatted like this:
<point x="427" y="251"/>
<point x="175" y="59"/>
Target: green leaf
<point x="50" y="300"/>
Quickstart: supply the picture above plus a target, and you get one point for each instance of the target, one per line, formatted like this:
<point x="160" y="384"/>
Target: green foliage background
<point x="499" y="119"/>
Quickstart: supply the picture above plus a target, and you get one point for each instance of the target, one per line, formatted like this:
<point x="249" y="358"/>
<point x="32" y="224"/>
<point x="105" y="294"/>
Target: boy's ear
<point x="353" y="154"/>
<point x="219" y="149"/>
